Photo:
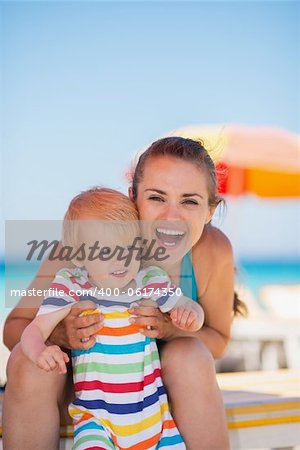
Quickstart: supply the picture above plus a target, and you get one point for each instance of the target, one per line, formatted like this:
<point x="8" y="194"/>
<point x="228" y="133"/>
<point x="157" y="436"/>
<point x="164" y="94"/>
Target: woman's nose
<point x="171" y="212"/>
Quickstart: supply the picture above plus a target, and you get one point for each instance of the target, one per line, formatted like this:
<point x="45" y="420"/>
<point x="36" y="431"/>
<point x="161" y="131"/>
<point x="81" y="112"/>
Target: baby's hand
<point x="186" y="318"/>
<point x="53" y="357"/>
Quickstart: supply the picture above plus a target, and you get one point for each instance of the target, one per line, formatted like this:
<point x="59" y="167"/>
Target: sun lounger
<point x="262" y="408"/>
<point x="272" y="328"/>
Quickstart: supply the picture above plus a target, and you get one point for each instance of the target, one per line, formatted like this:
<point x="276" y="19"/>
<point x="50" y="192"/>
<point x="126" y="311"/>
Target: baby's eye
<point x="156" y="198"/>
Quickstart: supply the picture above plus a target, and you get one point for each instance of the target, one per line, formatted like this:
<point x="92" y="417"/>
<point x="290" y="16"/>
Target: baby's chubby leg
<point x="34" y="403"/>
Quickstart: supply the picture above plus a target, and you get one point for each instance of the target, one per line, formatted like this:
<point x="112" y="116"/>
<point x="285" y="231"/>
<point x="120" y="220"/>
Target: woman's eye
<point x="190" y="202"/>
<point x="156" y="198"/>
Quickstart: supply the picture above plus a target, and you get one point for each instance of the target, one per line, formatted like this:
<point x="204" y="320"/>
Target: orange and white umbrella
<point x="260" y="160"/>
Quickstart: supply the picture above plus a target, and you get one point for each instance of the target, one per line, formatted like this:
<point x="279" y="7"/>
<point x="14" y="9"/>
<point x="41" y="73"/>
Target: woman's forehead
<point x="168" y="172"/>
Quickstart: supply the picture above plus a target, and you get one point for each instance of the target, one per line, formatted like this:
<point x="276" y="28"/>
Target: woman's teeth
<point x="170" y="232"/>
<point x="169" y="238"/>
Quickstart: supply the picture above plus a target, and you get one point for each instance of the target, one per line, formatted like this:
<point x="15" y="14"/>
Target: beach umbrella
<point x="251" y="159"/>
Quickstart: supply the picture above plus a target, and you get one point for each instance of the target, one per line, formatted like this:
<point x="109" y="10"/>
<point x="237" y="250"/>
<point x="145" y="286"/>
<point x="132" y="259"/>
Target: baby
<point x="120" y="399"/>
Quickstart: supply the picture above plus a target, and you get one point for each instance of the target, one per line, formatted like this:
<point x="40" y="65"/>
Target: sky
<point x="85" y="85"/>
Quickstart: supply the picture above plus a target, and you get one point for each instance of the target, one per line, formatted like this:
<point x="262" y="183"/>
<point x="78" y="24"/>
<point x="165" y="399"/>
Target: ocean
<point x="252" y="274"/>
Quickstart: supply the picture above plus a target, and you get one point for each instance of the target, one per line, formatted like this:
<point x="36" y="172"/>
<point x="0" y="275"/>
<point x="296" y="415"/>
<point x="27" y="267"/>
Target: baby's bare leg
<point x="34" y="403"/>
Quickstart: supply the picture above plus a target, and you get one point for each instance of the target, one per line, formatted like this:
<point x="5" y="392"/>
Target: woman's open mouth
<point x="169" y="238"/>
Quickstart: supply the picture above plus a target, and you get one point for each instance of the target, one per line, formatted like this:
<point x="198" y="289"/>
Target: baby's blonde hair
<point x="101" y="204"/>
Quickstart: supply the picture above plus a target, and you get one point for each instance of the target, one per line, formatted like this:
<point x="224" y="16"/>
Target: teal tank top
<point x="188" y="283"/>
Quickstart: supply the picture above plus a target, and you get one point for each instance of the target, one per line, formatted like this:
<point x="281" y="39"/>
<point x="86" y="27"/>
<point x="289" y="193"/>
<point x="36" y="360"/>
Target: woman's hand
<point x="155" y="323"/>
<point x="75" y="332"/>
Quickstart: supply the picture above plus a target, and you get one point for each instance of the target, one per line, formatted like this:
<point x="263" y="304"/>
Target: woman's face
<point x="173" y="192"/>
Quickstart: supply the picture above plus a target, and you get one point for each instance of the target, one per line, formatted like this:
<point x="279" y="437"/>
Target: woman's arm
<point x="214" y="271"/>
<point x="216" y="255"/>
<point x="26" y="309"/>
<point x="217" y="303"/>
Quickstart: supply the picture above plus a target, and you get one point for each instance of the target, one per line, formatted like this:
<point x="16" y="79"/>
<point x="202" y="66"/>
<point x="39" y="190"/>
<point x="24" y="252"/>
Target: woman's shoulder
<point x="213" y="246"/>
<point x="210" y="255"/>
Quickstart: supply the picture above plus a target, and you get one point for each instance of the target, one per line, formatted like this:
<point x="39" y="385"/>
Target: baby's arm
<point x="34" y="337"/>
<point x="187" y="314"/>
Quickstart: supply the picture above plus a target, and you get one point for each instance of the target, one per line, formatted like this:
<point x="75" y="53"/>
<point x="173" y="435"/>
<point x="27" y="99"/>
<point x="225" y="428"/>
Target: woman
<point x="174" y="181"/>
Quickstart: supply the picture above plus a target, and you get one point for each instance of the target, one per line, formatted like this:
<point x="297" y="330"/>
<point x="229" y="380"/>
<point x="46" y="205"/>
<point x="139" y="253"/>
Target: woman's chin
<point x="170" y="254"/>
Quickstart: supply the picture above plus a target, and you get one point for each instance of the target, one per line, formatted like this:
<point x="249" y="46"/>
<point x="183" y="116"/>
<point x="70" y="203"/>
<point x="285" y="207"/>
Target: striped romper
<point x="120" y="400"/>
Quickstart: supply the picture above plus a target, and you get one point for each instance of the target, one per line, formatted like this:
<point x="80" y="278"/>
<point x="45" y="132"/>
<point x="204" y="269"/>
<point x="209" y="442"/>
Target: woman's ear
<point x="130" y="193"/>
<point x="210" y="213"/>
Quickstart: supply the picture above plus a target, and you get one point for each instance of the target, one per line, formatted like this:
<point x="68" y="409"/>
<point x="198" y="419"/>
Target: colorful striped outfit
<point x="120" y="400"/>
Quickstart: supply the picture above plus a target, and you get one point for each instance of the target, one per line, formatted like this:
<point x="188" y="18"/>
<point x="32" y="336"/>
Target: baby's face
<point x="111" y="262"/>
